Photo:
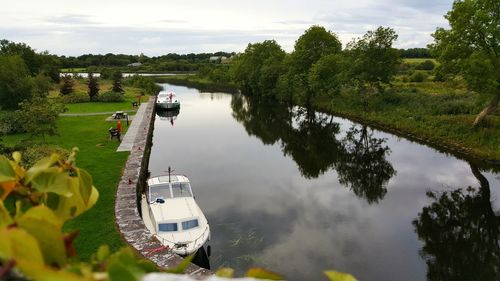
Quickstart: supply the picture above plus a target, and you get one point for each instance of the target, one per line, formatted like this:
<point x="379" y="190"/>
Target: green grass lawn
<point x="418" y="60"/>
<point x="89" y="107"/>
<point x="99" y="157"/>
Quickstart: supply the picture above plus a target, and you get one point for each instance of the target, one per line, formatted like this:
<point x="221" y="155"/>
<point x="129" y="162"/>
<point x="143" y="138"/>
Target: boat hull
<point x="168" y="105"/>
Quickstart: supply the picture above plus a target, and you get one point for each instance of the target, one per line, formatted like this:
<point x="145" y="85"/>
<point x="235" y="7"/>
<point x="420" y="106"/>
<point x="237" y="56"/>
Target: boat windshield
<point x="162" y="95"/>
<point x="159" y="191"/>
<point x="190" y="224"/>
<point x="167" y="227"/>
<point x="181" y="189"/>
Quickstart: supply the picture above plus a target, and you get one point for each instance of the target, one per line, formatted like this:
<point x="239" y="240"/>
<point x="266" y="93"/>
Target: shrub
<point x="426" y="65"/>
<point x="35" y="152"/>
<point x="455" y="107"/>
<point x="75" y="98"/>
<point x="10" y="124"/>
<point x="111" y="97"/>
<point x="418" y="76"/>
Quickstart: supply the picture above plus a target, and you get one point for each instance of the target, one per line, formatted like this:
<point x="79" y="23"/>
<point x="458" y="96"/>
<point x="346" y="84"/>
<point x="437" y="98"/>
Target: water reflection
<point x="314" y="141"/>
<point x="168" y="115"/>
<point x="461" y="233"/>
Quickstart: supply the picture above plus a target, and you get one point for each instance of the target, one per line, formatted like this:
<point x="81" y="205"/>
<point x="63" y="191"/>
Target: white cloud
<point x="156" y="27"/>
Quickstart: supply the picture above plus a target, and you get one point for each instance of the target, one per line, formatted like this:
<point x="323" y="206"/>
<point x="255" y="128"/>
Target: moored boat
<point x="173" y="216"/>
<point x="168" y="101"/>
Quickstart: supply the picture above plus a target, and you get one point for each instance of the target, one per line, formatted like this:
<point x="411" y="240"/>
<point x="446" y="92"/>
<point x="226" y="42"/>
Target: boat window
<point x="159" y="191"/>
<point x="189" y="224"/>
<point x="181" y="189"/>
<point x="162" y="95"/>
<point x="168" y="227"/>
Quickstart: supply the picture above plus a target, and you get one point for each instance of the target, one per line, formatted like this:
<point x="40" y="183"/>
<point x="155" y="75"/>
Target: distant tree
<point x="426" y="65"/>
<point x="42" y="85"/>
<point x="67" y="85"/>
<point x="38" y="116"/>
<point x="117" y="82"/>
<point x="415" y="53"/>
<point x="15" y="82"/>
<point x="24" y="51"/>
<point x="373" y="59"/>
<point x="471" y="48"/>
<point x="93" y="86"/>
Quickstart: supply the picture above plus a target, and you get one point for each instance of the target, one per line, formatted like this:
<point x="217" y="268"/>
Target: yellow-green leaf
<point x="41" y="166"/>
<point x="52" y="180"/>
<point x="5" y="218"/>
<point x="85" y="185"/>
<point x="43" y="225"/>
<point x="16" y="156"/>
<point x="18" y="244"/>
<point x="225" y="272"/>
<point x="102" y="253"/>
<point x="260" y="273"/>
<point x="339" y="276"/>
<point x="7" y="173"/>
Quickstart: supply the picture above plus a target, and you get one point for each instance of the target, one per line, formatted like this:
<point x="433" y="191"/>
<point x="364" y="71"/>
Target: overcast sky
<point x="156" y="27"/>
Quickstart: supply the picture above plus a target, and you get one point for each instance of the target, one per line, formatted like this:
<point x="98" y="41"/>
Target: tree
<point x="328" y="74"/>
<point x="42" y="85"/>
<point x="93" y="86"/>
<point x="117" y="82"/>
<point x="24" y="51"/>
<point x="38" y="116"/>
<point x="67" y="85"/>
<point x="259" y="67"/>
<point x="373" y="59"/>
<point x="315" y="43"/>
<point x="471" y="48"/>
<point x="15" y="82"/>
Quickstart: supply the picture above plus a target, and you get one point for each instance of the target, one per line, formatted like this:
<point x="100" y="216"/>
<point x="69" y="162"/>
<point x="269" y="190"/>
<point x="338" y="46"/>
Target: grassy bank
<point x="99" y="157"/>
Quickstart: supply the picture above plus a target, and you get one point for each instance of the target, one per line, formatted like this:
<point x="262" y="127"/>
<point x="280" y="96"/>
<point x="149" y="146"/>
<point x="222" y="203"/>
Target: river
<point x="301" y="192"/>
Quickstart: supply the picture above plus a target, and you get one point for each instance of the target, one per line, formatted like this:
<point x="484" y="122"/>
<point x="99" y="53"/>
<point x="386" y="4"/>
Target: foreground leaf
<point x="182" y="266"/>
<point x="7" y="173"/>
<point x="260" y="273"/>
<point x="225" y="272"/>
<point x="339" y="276"/>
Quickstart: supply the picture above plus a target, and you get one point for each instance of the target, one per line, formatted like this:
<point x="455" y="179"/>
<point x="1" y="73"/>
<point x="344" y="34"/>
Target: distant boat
<point x="167" y="101"/>
<point x="171" y="213"/>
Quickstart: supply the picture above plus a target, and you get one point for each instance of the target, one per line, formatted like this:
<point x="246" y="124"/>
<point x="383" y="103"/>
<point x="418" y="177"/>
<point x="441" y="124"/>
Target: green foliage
<point x="117" y="82"/>
<point x="372" y="58"/>
<point x="259" y="67"/>
<point x="111" y="97"/>
<point x="34" y="152"/>
<point x="471" y="48"/>
<point x="143" y="82"/>
<point x="38" y="116"/>
<point x="10" y="123"/>
<point x="76" y="97"/>
<point x="328" y="75"/>
<point x="42" y="85"/>
<point x="15" y="82"/>
<point x="93" y="86"/>
<point x="425" y="65"/>
<point x="315" y="43"/>
<point x="418" y="76"/>
<point x="67" y="85"/>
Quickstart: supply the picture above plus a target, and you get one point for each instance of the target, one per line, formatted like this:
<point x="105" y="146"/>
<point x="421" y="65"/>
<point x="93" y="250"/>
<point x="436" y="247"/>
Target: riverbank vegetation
<point x="450" y="101"/>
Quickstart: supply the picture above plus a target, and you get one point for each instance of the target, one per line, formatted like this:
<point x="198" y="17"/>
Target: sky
<point x="156" y="27"/>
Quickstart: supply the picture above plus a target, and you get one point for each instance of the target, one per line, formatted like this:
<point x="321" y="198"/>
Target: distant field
<point x="418" y="60"/>
<point x="82" y="69"/>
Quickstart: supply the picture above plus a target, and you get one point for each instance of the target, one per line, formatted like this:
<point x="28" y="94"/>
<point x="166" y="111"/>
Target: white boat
<point x="172" y="215"/>
<point x="167" y="101"/>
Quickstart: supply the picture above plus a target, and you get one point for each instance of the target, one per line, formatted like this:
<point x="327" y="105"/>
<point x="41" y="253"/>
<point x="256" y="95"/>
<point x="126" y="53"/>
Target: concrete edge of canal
<point x="128" y="219"/>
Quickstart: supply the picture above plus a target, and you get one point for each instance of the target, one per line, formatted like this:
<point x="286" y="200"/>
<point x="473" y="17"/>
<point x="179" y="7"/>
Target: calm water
<point x="301" y="192"/>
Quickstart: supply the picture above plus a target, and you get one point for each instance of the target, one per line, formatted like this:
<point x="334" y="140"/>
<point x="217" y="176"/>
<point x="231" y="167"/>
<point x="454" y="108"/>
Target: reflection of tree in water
<point x="310" y="139"/>
<point x="461" y="234"/>
<point x="363" y="166"/>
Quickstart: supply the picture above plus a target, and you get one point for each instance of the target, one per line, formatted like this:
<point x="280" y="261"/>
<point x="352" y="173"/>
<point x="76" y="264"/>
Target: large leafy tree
<point x="258" y="68"/>
<point x="315" y="43"/>
<point x="39" y="115"/>
<point x="373" y="59"/>
<point x="15" y="82"/>
<point x="471" y="48"/>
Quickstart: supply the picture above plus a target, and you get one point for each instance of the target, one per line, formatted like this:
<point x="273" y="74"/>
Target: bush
<point x="455" y="107"/>
<point x="418" y="76"/>
<point x="111" y="97"/>
<point x="10" y="124"/>
<point x="75" y="98"/>
<point x="35" y="152"/>
<point x="426" y="65"/>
